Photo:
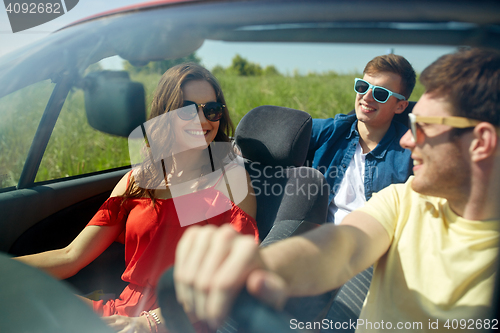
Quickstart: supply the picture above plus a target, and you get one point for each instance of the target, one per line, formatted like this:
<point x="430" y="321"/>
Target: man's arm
<point x="213" y="265"/>
<point x="327" y="257"/>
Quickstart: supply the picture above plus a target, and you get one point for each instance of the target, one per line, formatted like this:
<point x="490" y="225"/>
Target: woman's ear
<point x="485" y="142"/>
<point x="401" y="106"/>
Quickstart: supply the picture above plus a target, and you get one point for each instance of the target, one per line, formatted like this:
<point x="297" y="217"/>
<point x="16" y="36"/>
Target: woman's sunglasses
<point x="213" y="111"/>
<point x="380" y="94"/>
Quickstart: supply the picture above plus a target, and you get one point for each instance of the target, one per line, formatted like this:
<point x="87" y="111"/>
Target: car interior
<point x="40" y="215"/>
<point x="274" y="142"/>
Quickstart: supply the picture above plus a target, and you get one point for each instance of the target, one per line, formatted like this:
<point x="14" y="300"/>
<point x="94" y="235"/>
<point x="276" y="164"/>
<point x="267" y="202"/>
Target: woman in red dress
<point x="189" y="174"/>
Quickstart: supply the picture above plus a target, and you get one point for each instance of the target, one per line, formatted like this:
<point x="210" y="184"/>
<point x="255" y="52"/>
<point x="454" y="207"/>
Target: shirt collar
<point x="382" y="147"/>
<point x="353" y="131"/>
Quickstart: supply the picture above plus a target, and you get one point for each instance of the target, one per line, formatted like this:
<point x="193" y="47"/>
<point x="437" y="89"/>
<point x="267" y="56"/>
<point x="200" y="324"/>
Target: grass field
<point x="75" y="148"/>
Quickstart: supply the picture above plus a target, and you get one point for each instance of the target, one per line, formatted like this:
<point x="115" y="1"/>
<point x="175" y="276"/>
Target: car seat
<point x="274" y="142"/>
<point x="291" y="198"/>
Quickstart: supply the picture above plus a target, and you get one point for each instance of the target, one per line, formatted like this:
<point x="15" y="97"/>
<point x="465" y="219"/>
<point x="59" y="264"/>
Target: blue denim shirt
<point x="332" y="146"/>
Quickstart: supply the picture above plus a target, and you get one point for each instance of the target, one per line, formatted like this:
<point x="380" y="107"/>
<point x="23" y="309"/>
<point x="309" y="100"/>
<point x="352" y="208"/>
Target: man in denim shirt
<point x="360" y="154"/>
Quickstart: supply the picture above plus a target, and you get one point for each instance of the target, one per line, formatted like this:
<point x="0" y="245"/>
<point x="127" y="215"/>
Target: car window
<point x="75" y="148"/>
<point x="20" y="113"/>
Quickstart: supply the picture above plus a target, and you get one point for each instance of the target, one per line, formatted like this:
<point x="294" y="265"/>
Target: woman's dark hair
<point x="168" y="97"/>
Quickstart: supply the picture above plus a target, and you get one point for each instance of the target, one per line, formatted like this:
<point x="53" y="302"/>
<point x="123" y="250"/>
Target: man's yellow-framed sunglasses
<point x="456" y="122"/>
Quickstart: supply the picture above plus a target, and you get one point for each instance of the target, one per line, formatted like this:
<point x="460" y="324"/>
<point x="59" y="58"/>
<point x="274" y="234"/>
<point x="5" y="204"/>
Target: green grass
<point x="75" y="148"/>
<point x="20" y="113"/>
<point x="321" y="96"/>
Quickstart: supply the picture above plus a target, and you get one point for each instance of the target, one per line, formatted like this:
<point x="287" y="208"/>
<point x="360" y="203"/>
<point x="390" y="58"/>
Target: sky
<point x="287" y="58"/>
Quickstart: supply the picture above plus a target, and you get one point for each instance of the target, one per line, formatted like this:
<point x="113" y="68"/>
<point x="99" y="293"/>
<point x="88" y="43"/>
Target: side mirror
<point x="113" y="103"/>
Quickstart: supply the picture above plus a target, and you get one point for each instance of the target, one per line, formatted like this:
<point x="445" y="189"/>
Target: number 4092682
<point x="33" y="8"/>
<point x="471" y="324"/>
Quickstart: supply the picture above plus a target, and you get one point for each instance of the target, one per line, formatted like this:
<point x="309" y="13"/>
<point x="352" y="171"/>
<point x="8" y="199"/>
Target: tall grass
<point x="76" y="148"/>
<point x="320" y="95"/>
<point x="20" y="113"/>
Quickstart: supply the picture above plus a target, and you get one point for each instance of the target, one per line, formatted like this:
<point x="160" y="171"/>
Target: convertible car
<point x="69" y="102"/>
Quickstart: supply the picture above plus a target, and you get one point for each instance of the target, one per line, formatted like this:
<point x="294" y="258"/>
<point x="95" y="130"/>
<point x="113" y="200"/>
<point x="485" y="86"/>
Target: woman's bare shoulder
<point x="121" y="186"/>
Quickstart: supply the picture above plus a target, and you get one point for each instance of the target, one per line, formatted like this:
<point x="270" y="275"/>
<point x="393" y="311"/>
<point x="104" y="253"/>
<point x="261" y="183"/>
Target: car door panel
<point x="26" y="208"/>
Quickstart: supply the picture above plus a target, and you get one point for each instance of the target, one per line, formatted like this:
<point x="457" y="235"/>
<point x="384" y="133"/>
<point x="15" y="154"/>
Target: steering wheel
<point x="248" y="312"/>
<point x="33" y="301"/>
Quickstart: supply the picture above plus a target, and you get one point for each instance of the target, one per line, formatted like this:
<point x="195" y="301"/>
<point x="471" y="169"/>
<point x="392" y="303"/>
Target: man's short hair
<point x="394" y="64"/>
<point x="470" y="80"/>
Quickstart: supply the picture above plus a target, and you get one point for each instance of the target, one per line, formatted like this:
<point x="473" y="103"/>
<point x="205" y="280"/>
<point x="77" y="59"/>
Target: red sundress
<point x="151" y="234"/>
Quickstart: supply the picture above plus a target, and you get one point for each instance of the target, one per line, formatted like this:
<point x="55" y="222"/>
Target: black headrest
<point x="274" y="135"/>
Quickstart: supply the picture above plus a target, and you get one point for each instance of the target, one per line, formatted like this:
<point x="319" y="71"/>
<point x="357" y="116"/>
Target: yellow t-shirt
<point x="439" y="266"/>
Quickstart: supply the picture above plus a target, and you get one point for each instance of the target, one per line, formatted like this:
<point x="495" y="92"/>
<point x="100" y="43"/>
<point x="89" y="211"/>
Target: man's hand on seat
<point x="212" y="265"/>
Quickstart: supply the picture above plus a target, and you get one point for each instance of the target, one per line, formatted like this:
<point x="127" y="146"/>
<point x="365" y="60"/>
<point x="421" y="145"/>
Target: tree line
<point x="239" y="66"/>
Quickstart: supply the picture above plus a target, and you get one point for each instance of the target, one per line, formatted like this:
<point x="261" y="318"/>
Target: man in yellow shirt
<point x="434" y="239"/>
